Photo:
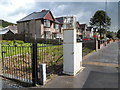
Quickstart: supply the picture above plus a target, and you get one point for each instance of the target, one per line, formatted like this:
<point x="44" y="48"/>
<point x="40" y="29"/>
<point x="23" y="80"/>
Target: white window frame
<point x="46" y="23"/>
<point x="57" y="26"/>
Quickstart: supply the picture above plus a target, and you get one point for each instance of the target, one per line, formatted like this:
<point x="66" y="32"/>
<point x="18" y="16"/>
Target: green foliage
<point x="118" y="34"/>
<point x="5" y="23"/>
<point x="1" y="26"/>
<point x="101" y="20"/>
<point x="110" y="34"/>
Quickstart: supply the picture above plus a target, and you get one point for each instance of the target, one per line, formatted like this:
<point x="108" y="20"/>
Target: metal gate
<point x="21" y="61"/>
<point x="17" y="62"/>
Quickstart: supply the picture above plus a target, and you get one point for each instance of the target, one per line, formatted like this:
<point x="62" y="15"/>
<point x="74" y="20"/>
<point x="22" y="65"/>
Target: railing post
<point x="34" y="64"/>
<point x="0" y="63"/>
<point x="98" y="44"/>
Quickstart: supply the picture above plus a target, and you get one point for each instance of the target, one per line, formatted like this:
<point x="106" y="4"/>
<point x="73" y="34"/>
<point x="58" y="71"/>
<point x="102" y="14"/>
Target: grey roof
<point x="83" y="25"/>
<point x="60" y="19"/>
<point x="89" y="28"/>
<point x="34" y="15"/>
<point x="57" y="21"/>
<point x="5" y="30"/>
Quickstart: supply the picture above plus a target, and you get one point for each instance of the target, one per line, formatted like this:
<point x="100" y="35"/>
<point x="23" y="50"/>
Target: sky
<point x="14" y="10"/>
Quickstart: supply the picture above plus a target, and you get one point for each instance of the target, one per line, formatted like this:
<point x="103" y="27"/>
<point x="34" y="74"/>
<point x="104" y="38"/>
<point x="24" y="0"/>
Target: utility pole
<point x="105" y="19"/>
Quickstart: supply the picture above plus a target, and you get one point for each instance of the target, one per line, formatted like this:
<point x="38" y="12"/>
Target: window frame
<point x="47" y="23"/>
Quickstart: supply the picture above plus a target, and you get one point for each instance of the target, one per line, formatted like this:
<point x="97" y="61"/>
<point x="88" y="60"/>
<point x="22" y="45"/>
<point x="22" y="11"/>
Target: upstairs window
<point x="56" y="26"/>
<point x="46" y="23"/>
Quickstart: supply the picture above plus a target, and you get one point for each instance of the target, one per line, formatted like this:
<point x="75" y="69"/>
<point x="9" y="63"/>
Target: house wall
<point x="9" y="36"/>
<point x="20" y="27"/>
<point x="36" y="27"/>
<point x="42" y="30"/>
<point x="84" y="32"/>
<point x="89" y="34"/>
<point x="0" y="37"/>
<point x="33" y="27"/>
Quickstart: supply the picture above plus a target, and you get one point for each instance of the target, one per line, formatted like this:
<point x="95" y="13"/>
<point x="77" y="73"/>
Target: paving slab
<point x="94" y="75"/>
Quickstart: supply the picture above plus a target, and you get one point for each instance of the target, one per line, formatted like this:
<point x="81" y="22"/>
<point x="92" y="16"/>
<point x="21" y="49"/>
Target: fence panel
<point x="21" y="61"/>
<point x="17" y="62"/>
<point x="90" y="44"/>
<point x="52" y="55"/>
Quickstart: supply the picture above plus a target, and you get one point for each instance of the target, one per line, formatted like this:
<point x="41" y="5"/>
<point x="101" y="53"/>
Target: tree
<point x="110" y="34"/>
<point x="118" y="34"/>
<point x="100" y="20"/>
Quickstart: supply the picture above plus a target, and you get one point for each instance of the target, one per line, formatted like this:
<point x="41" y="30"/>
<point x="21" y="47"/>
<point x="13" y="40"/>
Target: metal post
<point x="34" y="64"/>
<point x="42" y="74"/>
<point x="98" y="44"/>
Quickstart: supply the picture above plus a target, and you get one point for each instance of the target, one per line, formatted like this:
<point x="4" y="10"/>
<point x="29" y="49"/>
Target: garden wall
<point x="90" y="44"/>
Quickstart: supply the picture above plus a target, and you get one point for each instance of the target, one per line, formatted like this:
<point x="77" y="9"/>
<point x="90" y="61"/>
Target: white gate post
<point x="0" y="66"/>
<point x="72" y="52"/>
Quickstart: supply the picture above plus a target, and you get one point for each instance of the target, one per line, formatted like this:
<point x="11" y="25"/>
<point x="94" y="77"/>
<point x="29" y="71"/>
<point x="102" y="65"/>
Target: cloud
<point x="13" y="10"/>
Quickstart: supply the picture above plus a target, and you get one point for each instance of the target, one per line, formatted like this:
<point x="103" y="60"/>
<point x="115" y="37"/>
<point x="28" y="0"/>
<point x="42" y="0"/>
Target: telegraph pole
<point x="105" y="18"/>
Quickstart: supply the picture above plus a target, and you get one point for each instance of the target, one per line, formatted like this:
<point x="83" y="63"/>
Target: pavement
<point x="99" y="70"/>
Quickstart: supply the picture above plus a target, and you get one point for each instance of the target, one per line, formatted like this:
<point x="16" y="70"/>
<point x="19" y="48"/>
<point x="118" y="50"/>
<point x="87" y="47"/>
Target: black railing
<point x="21" y="61"/>
<point x="16" y="62"/>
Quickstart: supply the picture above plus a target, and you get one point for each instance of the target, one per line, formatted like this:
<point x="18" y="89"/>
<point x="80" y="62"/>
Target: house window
<point x="46" y="23"/>
<point x="56" y="26"/>
<point x="68" y="23"/>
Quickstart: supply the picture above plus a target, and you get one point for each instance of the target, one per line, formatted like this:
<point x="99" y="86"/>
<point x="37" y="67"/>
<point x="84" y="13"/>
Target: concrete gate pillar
<point x="72" y="52"/>
<point x="0" y="66"/>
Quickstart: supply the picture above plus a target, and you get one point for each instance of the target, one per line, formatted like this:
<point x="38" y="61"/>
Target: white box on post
<point x="72" y="52"/>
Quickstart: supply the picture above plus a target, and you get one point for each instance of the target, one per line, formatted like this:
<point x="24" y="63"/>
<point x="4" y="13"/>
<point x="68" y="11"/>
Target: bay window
<point x="56" y="26"/>
<point x="46" y="23"/>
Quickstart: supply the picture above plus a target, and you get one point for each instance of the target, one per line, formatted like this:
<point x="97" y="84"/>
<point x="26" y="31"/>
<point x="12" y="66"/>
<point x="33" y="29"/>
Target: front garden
<point x="17" y="58"/>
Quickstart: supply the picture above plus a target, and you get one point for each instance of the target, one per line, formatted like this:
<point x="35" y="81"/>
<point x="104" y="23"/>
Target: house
<point x="89" y="32"/>
<point x="79" y="33"/>
<point x="39" y="25"/>
<point x="95" y="33"/>
<point x="10" y="28"/>
<point x="83" y="28"/>
<point x="4" y="33"/>
<point x="67" y="22"/>
<point x="7" y="34"/>
<point x="61" y="20"/>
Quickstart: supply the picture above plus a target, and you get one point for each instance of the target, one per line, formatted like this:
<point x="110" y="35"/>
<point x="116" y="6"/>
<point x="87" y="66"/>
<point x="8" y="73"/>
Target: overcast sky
<point x="13" y="10"/>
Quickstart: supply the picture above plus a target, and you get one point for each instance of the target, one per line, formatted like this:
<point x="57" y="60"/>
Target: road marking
<point x="100" y="64"/>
